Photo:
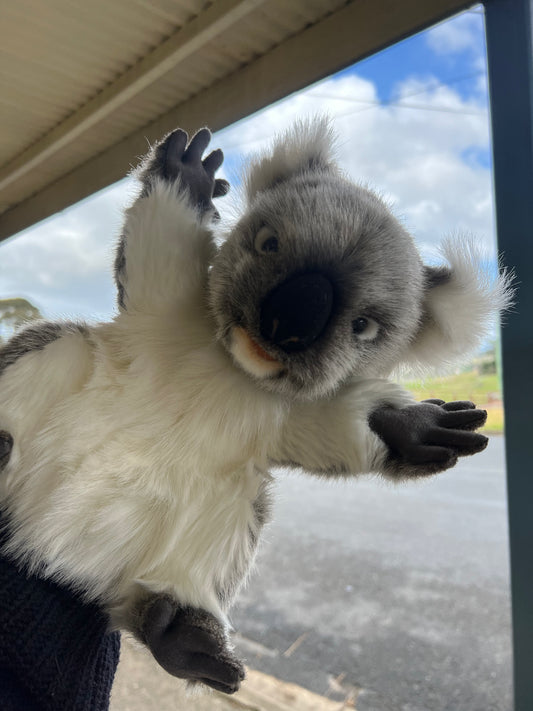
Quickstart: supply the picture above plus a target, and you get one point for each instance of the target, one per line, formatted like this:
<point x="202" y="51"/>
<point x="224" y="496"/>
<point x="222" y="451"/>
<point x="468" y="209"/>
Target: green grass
<point x="484" y="390"/>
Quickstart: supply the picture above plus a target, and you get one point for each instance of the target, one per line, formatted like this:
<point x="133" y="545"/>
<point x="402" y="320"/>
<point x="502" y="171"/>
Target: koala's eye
<point x="359" y="325"/>
<point x="266" y="241"/>
<point x="365" y="328"/>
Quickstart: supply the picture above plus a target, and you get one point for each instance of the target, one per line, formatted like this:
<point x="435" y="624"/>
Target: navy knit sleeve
<point x="56" y="653"/>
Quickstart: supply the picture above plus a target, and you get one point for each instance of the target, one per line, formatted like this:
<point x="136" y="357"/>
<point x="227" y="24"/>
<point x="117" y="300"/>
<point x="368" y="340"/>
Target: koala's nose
<point x="297" y="311"/>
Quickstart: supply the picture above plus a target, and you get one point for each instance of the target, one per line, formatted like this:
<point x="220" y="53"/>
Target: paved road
<point x="397" y="595"/>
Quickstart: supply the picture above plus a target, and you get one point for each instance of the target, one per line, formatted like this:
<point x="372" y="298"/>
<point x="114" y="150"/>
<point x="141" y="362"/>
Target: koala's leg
<point x="186" y="639"/>
<point x="166" y="244"/>
<point x="375" y="426"/>
<point x="6" y="445"/>
<point x="189" y="643"/>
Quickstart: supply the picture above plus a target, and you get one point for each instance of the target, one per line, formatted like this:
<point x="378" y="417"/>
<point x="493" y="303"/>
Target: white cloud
<point x="456" y="35"/>
<point x="63" y="265"/>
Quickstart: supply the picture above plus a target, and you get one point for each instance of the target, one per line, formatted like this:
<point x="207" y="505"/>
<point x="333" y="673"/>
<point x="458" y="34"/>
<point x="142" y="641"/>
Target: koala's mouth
<point x="251" y="356"/>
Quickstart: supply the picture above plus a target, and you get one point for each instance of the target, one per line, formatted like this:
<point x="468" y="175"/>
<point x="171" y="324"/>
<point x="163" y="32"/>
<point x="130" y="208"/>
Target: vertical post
<point x="510" y="62"/>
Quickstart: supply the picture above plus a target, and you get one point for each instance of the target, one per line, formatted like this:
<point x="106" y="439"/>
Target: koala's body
<point x="135" y="455"/>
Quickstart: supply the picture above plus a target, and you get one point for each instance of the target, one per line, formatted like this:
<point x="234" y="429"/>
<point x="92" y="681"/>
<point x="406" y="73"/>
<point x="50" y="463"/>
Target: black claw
<point x="464" y="419"/>
<point x="197" y="146"/>
<point x="479" y="444"/>
<point x="458" y="405"/>
<point x="221" y="187"/>
<point x="213" y="162"/>
<point x="224" y="688"/>
<point x="173" y="148"/>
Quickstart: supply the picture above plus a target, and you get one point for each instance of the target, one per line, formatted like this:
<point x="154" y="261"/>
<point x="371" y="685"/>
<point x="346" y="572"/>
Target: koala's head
<point x="318" y="282"/>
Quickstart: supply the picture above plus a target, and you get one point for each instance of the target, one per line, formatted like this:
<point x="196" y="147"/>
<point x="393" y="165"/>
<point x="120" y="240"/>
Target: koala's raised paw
<point x="190" y="643"/>
<point x="6" y="445"/>
<point x="176" y="158"/>
<point x="428" y="437"/>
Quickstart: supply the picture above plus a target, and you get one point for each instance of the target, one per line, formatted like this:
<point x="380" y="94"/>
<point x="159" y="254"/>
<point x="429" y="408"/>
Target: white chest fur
<point x="145" y="471"/>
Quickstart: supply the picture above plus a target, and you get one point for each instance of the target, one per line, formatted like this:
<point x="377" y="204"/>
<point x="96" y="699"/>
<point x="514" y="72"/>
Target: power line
<point x="398" y="102"/>
<point x="372" y="104"/>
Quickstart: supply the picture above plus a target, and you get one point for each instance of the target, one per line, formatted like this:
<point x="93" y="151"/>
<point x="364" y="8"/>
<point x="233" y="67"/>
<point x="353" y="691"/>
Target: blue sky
<point x="412" y="122"/>
<point x="456" y="65"/>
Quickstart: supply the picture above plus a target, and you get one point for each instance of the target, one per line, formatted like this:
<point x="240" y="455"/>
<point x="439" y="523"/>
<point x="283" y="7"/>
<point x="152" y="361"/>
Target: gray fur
<point x="120" y="271"/>
<point x="437" y="276"/>
<point x="6" y="445"/>
<point x="324" y="223"/>
<point x="35" y="338"/>
<point x="263" y="504"/>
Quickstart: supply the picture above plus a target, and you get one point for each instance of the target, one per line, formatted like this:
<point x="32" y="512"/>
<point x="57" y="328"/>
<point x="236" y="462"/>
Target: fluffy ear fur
<point x="462" y="303"/>
<point x="309" y="144"/>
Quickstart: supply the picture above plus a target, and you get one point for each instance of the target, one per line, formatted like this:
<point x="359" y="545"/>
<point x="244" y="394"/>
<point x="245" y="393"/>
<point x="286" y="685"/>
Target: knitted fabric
<point x="56" y="653"/>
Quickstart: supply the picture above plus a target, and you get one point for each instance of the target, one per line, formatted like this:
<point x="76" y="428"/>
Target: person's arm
<point x="56" y="653"/>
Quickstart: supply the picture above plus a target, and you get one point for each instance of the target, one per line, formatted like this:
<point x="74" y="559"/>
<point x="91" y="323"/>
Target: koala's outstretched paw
<point x="6" y="445"/>
<point x="176" y="158"/>
<point x="428" y="437"/>
<point x="190" y="643"/>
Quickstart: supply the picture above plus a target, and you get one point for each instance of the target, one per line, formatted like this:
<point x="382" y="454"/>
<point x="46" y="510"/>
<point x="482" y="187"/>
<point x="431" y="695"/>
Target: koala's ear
<point x="308" y="145"/>
<point x="462" y="302"/>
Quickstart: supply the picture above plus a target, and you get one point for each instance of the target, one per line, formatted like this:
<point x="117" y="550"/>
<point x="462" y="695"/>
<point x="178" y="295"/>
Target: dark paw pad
<point x="190" y="643"/>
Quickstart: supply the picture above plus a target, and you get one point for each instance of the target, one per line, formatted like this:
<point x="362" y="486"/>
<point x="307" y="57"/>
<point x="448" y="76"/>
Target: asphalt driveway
<point x="396" y="596"/>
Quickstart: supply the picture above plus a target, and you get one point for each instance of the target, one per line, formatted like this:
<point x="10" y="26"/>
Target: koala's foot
<point x="175" y="158"/>
<point x="190" y="643"/>
<point x="6" y="445"/>
<point x="428" y="437"/>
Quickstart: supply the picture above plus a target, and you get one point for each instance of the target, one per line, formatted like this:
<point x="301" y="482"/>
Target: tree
<point x="14" y="313"/>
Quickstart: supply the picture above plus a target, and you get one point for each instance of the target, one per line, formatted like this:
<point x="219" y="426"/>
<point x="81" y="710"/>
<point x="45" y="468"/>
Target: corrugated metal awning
<point x="84" y="85"/>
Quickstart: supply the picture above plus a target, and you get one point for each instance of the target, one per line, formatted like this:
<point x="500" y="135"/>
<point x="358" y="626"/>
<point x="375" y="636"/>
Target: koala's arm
<point x="167" y="243"/>
<point x="376" y="426"/>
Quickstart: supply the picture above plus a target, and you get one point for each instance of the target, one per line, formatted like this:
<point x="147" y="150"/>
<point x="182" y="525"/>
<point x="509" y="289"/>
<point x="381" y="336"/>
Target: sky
<point x="412" y="122"/>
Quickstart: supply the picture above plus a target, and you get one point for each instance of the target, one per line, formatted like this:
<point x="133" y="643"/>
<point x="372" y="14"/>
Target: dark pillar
<point x="510" y="61"/>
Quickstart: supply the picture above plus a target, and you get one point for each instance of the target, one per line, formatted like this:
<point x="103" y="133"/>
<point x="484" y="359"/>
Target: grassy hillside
<point x="484" y="390"/>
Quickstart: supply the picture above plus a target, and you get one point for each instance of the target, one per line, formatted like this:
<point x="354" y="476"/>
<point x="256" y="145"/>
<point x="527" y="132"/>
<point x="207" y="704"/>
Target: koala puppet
<point x="135" y="454"/>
